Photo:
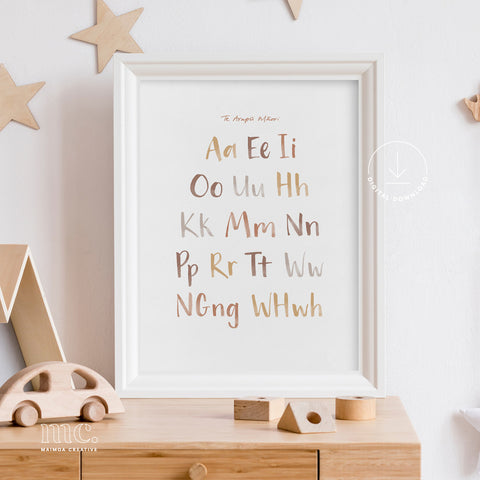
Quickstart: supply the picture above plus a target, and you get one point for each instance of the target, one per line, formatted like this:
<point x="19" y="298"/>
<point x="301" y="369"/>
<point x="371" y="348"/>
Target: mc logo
<point x="67" y="433"/>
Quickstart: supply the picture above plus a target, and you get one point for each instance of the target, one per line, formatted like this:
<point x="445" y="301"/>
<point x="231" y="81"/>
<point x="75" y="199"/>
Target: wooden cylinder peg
<point x="355" y="408"/>
<point x="198" y="471"/>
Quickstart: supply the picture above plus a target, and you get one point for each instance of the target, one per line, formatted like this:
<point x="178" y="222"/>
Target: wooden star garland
<point x="295" y="6"/>
<point x="14" y="99"/>
<point x="110" y="34"/>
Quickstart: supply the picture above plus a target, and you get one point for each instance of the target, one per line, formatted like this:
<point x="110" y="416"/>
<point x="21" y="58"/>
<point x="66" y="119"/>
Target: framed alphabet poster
<point x="248" y="240"/>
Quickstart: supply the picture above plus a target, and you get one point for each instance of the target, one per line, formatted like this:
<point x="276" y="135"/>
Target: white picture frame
<point x="369" y="376"/>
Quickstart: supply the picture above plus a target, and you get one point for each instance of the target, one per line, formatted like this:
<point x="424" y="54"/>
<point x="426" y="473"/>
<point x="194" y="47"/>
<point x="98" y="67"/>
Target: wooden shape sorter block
<point x="23" y="302"/>
<point x="258" y="408"/>
<point x="355" y="408"/>
<point x="307" y="417"/>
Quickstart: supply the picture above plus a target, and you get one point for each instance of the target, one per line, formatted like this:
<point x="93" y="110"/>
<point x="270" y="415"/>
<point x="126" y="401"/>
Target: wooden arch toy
<point x="23" y="302"/>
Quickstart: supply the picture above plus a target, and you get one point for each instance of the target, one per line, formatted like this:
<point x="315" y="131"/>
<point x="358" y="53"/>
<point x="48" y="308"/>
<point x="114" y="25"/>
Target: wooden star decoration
<point x="110" y="34"/>
<point x="295" y="6"/>
<point x="474" y="107"/>
<point x="14" y="99"/>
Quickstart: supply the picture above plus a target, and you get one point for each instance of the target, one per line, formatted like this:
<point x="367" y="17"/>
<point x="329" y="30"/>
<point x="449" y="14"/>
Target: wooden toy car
<point x="56" y="396"/>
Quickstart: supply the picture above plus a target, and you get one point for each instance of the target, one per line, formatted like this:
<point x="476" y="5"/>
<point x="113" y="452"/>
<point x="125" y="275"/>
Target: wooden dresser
<point x="163" y="439"/>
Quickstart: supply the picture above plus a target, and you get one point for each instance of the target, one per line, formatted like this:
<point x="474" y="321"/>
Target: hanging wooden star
<point x="474" y="107"/>
<point x="111" y="33"/>
<point x="14" y="99"/>
<point x="295" y="6"/>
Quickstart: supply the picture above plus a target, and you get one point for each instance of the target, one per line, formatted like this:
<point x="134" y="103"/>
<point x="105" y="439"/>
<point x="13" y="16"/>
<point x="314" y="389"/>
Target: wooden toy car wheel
<point x="93" y="411"/>
<point x="25" y="416"/>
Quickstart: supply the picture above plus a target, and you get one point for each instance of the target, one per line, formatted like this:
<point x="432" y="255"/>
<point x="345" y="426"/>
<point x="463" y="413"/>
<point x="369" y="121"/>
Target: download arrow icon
<point x="397" y="173"/>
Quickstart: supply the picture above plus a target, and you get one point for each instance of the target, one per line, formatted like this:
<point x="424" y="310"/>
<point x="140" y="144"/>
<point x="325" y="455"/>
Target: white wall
<point x="56" y="184"/>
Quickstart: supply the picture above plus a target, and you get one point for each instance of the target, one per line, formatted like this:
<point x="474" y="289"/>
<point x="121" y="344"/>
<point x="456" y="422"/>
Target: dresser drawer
<point x="220" y="464"/>
<point x="361" y="463"/>
<point x="37" y="465"/>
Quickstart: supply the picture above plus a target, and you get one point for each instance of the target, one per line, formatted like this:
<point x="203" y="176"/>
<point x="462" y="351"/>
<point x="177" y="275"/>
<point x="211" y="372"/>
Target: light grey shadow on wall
<point x="87" y="211"/>
<point x="11" y="358"/>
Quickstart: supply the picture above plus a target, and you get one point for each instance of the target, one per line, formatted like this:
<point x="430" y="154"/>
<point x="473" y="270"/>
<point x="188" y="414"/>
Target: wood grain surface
<point x="381" y="463"/>
<point x="208" y="423"/>
<point x="220" y="464"/>
<point x="38" y="465"/>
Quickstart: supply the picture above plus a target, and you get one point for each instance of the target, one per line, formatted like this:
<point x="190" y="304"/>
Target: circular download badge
<point x="405" y="171"/>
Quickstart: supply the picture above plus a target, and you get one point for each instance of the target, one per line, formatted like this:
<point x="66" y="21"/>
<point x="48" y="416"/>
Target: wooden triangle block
<point x="295" y="6"/>
<point x="307" y="417"/>
<point x="23" y="302"/>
